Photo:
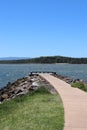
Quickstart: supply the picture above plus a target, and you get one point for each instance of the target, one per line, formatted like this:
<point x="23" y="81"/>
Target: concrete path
<point x="74" y="101"/>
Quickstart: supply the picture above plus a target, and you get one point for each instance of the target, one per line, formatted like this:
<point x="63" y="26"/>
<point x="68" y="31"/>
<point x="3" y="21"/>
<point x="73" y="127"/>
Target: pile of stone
<point x="23" y="86"/>
<point x="69" y="80"/>
<point x="30" y="83"/>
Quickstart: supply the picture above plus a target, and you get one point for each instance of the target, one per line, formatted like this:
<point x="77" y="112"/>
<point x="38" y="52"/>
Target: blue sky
<point x="33" y="28"/>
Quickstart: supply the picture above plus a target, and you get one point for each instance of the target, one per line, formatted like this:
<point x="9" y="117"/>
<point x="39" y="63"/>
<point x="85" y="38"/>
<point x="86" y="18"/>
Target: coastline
<point x="31" y="83"/>
<point x="23" y="86"/>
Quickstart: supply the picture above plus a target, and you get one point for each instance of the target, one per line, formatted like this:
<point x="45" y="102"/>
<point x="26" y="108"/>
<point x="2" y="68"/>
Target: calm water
<point x="9" y="73"/>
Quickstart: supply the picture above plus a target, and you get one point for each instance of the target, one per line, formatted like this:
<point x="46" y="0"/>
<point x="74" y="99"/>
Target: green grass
<point x="80" y="86"/>
<point x="39" y="110"/>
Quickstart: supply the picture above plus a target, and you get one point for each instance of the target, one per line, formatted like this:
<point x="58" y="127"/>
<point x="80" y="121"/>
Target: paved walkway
<point x="74" y="101"/>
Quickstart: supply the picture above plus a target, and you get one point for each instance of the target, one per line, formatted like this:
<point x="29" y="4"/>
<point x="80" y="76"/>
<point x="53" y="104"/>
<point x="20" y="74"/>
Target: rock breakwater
<point x="70" y="80"/>
<point x="23" y="86"/>
<point x="31" y="83"/>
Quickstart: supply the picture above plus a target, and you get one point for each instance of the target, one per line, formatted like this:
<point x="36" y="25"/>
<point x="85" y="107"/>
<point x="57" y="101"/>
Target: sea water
<point x="11" y="72"/>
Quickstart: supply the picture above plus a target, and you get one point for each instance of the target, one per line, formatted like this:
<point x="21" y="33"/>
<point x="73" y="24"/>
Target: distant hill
<point x="13" y="58"/>
<point x="45" y="60"/>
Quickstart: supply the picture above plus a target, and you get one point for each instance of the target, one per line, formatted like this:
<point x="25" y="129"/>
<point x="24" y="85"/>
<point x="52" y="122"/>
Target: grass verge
<point x="80" y="86"/>
<point x="39" y="110"/>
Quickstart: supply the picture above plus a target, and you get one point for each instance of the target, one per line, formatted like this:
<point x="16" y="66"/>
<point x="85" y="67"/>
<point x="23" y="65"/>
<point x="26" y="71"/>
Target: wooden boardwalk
<point x="74" y="101"/>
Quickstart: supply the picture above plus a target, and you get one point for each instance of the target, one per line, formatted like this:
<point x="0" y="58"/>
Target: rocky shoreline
<point x="30" y="83"/>
<point x="70" y="80"/>
<point x="23" y="86"/>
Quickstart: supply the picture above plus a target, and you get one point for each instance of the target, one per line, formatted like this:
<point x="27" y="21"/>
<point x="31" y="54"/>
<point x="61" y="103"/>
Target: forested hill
<point x="48" y="59"/>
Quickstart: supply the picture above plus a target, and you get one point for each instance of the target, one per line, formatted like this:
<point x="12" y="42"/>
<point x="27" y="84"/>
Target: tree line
<point x="48" y="60"/>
